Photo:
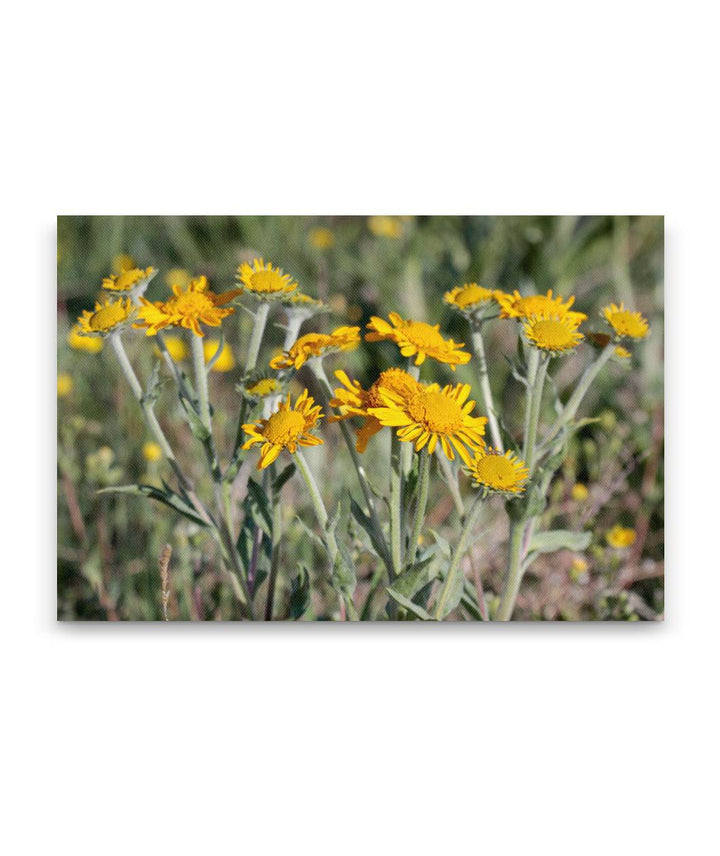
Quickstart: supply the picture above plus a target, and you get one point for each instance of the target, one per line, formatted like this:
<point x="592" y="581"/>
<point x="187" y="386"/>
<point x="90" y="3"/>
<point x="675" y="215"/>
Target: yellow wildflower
<point x="151" y="452"/>
<point x="264" y="281"/>
<point x="516" y="306"/>
<point x="552" y="334"/>
<point x="623" y="353"/>
<point x="321" y="238"/>
<point x="497" y="472"/>
<point x="352" y="400"/>
<point x="106" y="318"/>
<point x="287" y="428"/>
<point x="580" y="492"/>
<point x="431" y="414"/>
<point x="133" y="282"/>
<point x="186" y="308"/>
<point x="418" y="339"/>
<point x="385" y="227"/>
<point x="471" y="298"/>
<point x="620" y="536"/>
<point x="625" y="322"/>
<point x="76" y="340"/>
<point x="178" y="276"/>
<point x="316" y="344"/>
<point x="65" y="385"/>
<point x="263" y="387"/>
<point x="176" y="347"/>
<point x="122" y="262"/>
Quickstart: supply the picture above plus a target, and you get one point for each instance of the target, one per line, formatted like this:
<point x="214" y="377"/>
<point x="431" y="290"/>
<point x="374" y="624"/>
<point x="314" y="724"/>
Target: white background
<point x="337" y="739"/>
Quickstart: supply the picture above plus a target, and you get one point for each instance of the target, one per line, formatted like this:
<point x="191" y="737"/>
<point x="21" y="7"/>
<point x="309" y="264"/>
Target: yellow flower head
<point x="578" y="568"/>
<point x="151" y="452"/>
<point x="620" y="536"/>
<point x="418" y="339"/>
<point x="298" y="305"/>
<point x="225" y="361"/>
<point x="107" y="317"/>
<point x="321" y="238"/>
<point x="431" y="414"/>
<point x="472" y="298"/>
<point x="352" y="400"/>
<point x="622" y="353"/>
<point x="186" y="308"/>
<point x="496" y="472"/>
<point x="315" y="345"/>
<point x="133" y="281"/>
<point x="263" y="387"/>
<point x="287" y="428"/>
<point x="626" y="323"/>
<point x="385" y="227"/>
<point x="176" y="347"/>
<point x="64" y="385"/>
<point x="554" y="335"/>
<point x="79" y="342"/>
<point x="264" y="281"/>
<point x="580" y="492"/>
<point x="516" y="306"/>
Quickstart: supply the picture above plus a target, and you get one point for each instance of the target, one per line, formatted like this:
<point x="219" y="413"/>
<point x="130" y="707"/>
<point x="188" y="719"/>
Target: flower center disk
<point x="437" y="412"/>
<point x="107" y="317"/>
<point x="423" y="335"/>
<point x="284" y="426"/>
<point x="496" y="470"/>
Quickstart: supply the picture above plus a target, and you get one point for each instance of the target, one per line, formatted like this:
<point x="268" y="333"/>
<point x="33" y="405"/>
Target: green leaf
<point x="299" y="593"/>
<point x="411" y="607"/>
<point x="152" y="390"/>
<point x="559" y="539"/>
<point x="454" y="594"/>
<point x="411" y="581"/>
<point x="197" y="427"/>
<point x="283" y="477"/>
<point x="259" y="507"/>
<point x="344" y="579"/>
<point x="167" y="497"/>
<point x="367" y="525"/>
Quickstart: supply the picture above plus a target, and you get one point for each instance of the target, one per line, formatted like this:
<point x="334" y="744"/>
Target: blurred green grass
<point x="108" y="545"/>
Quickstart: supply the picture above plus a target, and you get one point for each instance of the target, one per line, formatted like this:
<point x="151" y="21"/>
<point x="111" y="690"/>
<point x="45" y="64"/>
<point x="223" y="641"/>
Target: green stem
<point x="514" y="575"/>
<point x="198" y="357"/>
<point x="452" y="484"/>
<point x="530" y="444"/>
<point x="275" y="560"/>
<point x="479" y="348"/>
<point x="396" y="491"/>
<point x="460" y="551"/>
<point x="532" y="366"/>
<point x="575" y="400"/>
<point x="256" y="337"/>
<point x="422" y="497"/>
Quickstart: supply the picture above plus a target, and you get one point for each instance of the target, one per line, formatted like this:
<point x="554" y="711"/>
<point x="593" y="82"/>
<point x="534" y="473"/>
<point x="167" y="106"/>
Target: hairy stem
<point x="514" y="574"/>
<point x="530" y="442"/>
<point x="460" y="551"/>
<point x="479" y="348"/>
<point x="422" y="497"/>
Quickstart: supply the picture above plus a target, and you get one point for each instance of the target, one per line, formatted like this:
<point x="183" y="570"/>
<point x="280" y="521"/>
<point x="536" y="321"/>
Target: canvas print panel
<point x="385" y="418"/>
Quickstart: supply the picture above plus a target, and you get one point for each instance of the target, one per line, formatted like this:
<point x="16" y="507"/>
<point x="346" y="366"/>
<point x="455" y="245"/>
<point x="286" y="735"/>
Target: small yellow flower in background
<point x="176" y="347"/>
<point x="352" y="400"/>
<point x="122" y="262"/>
<point x="225" y="362"/>
<point x="187" y="308"/>
<point x="321" y="238"/>
<point x="418" y="339"/>
<point x="553" y="335"/>
<point x="623" y="353"/>
<point x="178" y="276"/>
<point x="65" y="385"/>
<point x="264" y="281"/>
<point x="107" y="317"/>
<point x="133" y="282"/>
<point x="498" y="472"/>
<point x="287" y="428"/>
<point x="298" y="305"/>
<point x="385" y="227"/>
<point x="516" y="306"/>
<point x="431" y="414"/>
<point x="263" y="387"/>
<point x="620" y="536"/>
<point x="90" y="344"/>
<point x="626" y="323"/>
<point x="315" y="345"/>
<point x="471" y="297"/>
<point x="151" y="452"/>
<point x="578" y="568"/>
<point x="580" y="492"/>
